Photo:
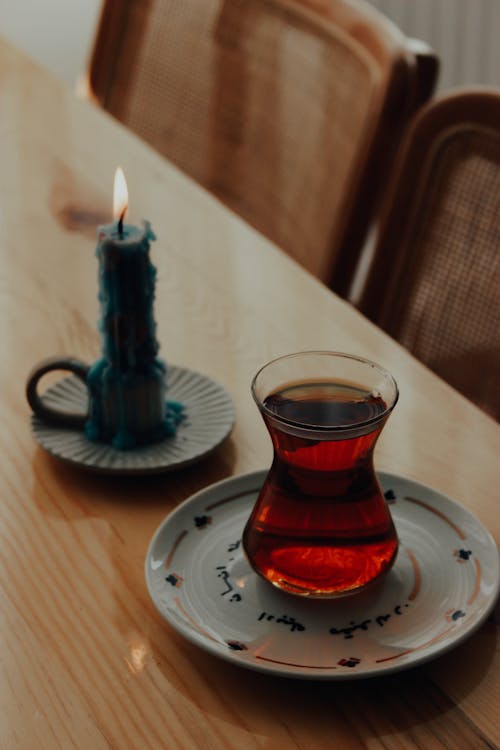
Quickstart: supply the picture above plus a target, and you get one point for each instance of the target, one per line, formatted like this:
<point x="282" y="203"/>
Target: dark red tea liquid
<point x="321" y="526"/>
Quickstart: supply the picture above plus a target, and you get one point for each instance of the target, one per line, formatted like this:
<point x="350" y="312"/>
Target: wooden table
<point x="86" y="661"/>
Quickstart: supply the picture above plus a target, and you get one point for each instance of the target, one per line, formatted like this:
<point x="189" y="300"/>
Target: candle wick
<point x="120" y="224"/>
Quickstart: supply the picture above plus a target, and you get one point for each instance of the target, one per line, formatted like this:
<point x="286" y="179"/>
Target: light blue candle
<point x="127" y="385"/>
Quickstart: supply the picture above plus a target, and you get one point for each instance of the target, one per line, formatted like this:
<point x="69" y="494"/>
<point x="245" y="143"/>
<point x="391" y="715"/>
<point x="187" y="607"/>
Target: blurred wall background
<point x="464" y="33"/>
<point x="56" y="33"/>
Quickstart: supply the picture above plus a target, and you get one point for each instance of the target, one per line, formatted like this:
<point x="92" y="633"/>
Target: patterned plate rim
<point x="427" y="652"/>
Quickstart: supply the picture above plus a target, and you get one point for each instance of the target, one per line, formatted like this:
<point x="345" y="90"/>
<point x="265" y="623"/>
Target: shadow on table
<point x="409" y="703"/>
<point x="85" y="493"/>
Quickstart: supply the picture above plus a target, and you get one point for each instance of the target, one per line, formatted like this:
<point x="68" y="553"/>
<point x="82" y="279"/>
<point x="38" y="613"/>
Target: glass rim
<point x="325" y="428"/>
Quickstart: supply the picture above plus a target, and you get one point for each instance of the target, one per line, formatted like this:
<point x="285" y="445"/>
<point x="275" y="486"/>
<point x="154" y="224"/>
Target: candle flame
<point x="120" y="195"/>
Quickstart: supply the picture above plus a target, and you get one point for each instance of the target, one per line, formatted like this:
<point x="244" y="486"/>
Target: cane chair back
<point x="434" y="283"/>
<point x="287" y="110"/>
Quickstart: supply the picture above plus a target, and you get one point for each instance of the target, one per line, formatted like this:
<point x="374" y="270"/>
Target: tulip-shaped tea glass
<point x="321" y="526"/>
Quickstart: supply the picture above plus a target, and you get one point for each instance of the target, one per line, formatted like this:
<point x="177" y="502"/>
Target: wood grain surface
<point x="86" y="661"/>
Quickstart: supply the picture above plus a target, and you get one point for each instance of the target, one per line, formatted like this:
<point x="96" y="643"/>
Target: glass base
<point x="320" y="571"/>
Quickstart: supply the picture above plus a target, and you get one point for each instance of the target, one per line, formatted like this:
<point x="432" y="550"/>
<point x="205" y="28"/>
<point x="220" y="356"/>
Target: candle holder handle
<point x="43" y="411"/>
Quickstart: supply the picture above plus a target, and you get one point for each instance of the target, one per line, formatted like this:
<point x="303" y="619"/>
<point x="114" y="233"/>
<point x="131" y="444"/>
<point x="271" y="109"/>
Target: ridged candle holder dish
<point x="209" y="419"/>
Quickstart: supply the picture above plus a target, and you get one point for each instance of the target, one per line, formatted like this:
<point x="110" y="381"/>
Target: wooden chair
<point x="434" y="283"/>
<point x="289" y="111"/>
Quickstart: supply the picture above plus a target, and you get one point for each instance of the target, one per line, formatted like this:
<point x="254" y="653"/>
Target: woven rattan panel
<point x="450" y="318"/>
<point x="268" y="112"/>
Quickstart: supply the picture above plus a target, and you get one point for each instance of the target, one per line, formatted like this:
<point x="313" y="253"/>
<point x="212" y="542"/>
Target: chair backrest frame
<point x="475" y="107"/>
<point x="448" y="136"/>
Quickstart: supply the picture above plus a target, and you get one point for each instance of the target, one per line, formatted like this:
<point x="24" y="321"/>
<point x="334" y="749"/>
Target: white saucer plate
<point x="209" y="418"/>
<point x="443" y="585"/>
